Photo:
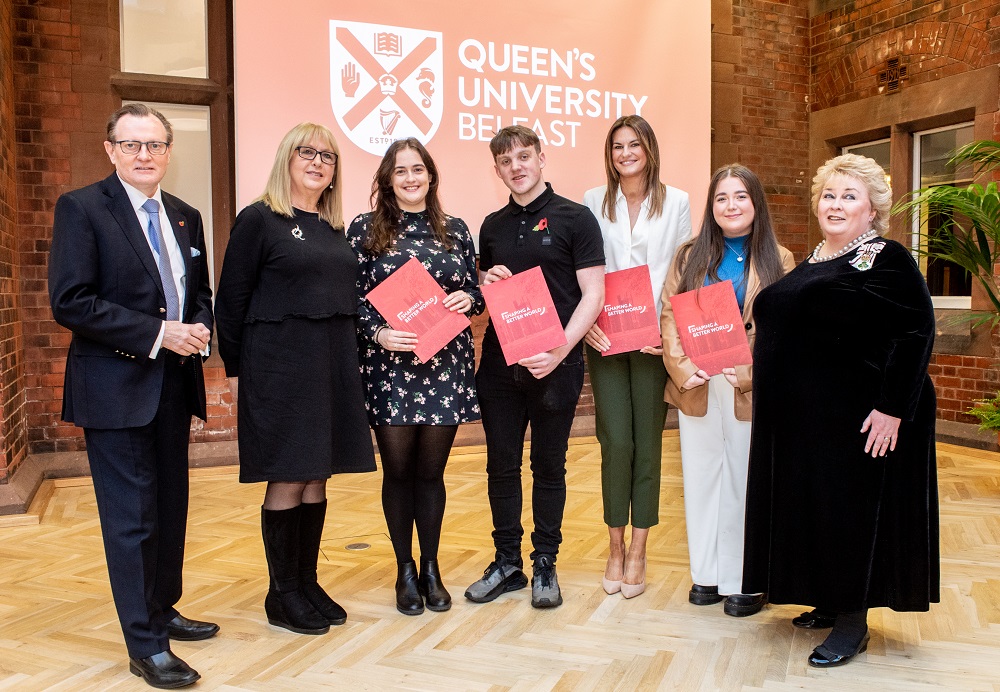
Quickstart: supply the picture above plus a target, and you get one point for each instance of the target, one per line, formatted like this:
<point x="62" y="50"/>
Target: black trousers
<point x="141" y="484"/>
<point x="510" y="399"/>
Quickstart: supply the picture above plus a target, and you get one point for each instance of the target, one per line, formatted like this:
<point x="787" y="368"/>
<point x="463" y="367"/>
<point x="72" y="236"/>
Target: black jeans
<point x="510" y="398"/>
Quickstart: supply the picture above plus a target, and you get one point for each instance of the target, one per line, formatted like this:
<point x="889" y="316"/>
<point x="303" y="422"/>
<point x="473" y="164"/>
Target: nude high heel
<point x="633" y="590"/>
<point x="612" y="586"/>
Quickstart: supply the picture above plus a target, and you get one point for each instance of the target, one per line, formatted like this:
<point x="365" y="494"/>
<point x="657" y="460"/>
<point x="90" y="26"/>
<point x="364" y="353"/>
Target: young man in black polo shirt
<point x="537" y="228"/>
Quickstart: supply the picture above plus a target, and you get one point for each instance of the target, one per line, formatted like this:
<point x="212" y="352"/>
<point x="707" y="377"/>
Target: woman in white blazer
<point x="643" y="222"/>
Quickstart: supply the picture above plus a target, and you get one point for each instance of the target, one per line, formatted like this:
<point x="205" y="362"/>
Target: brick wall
<point x="65" y="52"/>
<point x="760" y="112"/>
<point x="12" y="408"/>
<point x="850" y="43"/>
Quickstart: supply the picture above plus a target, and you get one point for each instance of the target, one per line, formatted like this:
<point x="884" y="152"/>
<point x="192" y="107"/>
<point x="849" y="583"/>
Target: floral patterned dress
<point x="401" y="390"/>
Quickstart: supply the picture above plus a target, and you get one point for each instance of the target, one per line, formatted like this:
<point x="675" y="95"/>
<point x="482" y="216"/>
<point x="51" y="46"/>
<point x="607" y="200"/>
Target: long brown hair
<point x="653" y="188"/>
<point x="385" y="210"/>
<point x="702" y="256"/>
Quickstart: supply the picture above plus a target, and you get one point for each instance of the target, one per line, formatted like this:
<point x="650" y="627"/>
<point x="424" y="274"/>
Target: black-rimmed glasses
<point x="133" y="147"/>
<point x="309" y="154"/>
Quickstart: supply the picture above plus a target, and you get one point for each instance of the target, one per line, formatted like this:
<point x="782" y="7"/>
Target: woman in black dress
<point x="842" y="510"/>
<point x="415" y="408"/>
<point x="286" y="317"/>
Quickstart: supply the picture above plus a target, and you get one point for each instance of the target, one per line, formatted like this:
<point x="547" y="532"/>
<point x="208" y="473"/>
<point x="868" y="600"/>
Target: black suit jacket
<point x="104" y="286"/>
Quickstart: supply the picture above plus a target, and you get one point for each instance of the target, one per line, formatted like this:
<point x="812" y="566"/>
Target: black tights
<point x="413" y="461"/>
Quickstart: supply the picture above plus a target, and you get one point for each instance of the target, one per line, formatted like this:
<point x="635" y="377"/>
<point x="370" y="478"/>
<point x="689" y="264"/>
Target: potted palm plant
<point x="969" y="236"/>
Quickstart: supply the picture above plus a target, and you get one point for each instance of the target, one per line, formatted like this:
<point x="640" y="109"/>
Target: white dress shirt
<point x="177" y="265"/>
<point x="653" y="241"/>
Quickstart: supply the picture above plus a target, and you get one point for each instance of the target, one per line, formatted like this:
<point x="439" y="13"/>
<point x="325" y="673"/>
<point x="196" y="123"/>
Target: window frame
<point x="918" y="221"/>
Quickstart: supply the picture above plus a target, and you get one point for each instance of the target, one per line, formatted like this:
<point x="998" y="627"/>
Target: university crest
<point x="385" y="83"/>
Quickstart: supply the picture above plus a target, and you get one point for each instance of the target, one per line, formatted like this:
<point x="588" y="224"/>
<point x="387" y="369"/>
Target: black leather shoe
<point x="739" y="605"/>
<point x="436" y="597"/>
<point x="814" y="620"/>
<point x="184" y="630"/>
<point x="704" y="595"/>
<point x="163" y="670"/>
<point x="408" y="599"/>
<point x="822" y="657"/>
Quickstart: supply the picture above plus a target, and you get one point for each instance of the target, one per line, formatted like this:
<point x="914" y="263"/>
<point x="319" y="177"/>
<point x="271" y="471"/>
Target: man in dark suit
<point x="127" y="276"/>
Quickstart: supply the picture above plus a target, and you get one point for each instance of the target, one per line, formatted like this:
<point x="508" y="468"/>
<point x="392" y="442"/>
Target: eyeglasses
<point x="309" y="154"/>
<point x="133" y="147"/>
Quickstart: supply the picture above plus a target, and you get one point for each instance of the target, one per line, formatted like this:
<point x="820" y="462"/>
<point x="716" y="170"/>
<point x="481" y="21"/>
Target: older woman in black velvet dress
<point x="286" y="314"/>
<point x="842" y="510"/>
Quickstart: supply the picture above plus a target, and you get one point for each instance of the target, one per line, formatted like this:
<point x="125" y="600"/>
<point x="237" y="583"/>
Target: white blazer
<point x="652" y="242"/>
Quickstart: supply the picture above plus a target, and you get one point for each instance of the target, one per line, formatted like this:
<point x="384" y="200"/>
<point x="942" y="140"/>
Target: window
<point x="189" y="175"/>
<point x="168" y="63"/>
<point x="877" y="150"/>
<point x="165" y="37"/>
<point x="949" y="284"/>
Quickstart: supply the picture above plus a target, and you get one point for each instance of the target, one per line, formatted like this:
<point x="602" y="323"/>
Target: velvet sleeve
<point x="901" y="302"/>
<point x="369" y="319"/>
<point x="237" y="283"/>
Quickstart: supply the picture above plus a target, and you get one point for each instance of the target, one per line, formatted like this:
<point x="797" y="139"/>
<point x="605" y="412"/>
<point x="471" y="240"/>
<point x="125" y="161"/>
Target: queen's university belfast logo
<point x="385" y="83"/>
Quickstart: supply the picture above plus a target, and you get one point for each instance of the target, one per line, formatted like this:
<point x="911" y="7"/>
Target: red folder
<point x="711" y="327"/>
<point x="524" y="315"/>
<point x="629" y="318"/>
<point x="411" y="300"/>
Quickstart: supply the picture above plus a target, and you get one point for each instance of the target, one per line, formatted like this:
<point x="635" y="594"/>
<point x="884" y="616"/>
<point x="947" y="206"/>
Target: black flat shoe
<point x="436" y="597"/>
<point x="184" y="630"/>
<point x="814" y="620"/>
<point x="740" y="605"/>
<point x="408" y="598"/>
<point x="704" y="595"/>
<point x="164" y="671"/>
<point x="822" y="657"/>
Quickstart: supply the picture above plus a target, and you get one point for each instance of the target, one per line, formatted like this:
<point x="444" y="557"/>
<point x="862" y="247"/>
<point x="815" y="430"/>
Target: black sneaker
<point x="544" y="584"/>
<point x="499" y="577"/>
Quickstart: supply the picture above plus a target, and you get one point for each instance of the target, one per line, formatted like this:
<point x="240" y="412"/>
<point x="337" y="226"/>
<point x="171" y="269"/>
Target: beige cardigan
<point x="694" y="402"/>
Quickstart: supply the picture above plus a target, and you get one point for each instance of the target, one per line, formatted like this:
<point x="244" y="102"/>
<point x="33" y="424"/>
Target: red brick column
<point x="13" y="436"/>
<point x="760" y="109"/>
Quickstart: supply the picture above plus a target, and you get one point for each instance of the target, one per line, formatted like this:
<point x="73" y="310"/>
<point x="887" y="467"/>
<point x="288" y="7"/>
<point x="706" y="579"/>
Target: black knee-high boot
<point x="311" y="520"/>
<point x="285" y="605"/>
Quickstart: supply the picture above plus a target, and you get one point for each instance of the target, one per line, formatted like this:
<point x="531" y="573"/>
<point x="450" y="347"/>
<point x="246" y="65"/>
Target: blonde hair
<point x="864" y="170"/>
<point x="277" y="193"/>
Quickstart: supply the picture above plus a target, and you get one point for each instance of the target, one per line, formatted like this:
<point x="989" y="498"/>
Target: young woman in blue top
<point x="737" y="243"/>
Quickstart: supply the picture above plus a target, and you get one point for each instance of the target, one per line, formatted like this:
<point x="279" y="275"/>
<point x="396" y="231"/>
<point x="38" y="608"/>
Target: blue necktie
<point x="152" y="208"/>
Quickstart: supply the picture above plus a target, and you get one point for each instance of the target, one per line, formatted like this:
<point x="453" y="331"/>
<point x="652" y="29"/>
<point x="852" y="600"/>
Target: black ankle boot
<point x="408" y="600"/>
<point x="311" y="520"/>
<point x="435" y="595"/>
<point x="286" y="606"/>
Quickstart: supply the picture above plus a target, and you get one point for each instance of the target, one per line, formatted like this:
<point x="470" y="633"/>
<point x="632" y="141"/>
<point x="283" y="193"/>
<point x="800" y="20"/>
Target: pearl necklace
<point x="867" y="235"/>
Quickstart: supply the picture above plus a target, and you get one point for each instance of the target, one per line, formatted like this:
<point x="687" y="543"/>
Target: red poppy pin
<point x="542" y="225"/>
<point x="180" y="223"/>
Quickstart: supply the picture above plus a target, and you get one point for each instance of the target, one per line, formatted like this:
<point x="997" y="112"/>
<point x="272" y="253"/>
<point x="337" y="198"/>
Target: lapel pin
<point x="180" y="223"/>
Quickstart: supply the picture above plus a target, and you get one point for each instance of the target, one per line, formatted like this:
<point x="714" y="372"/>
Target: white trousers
<point x="715" y="452"/>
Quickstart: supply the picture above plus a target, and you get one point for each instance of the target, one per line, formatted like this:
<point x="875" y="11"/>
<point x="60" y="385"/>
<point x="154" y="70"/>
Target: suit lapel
<point x="121" y="209"/>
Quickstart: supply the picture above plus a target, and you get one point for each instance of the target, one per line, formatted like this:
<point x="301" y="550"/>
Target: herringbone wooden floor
<point x="58" y="628"/>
